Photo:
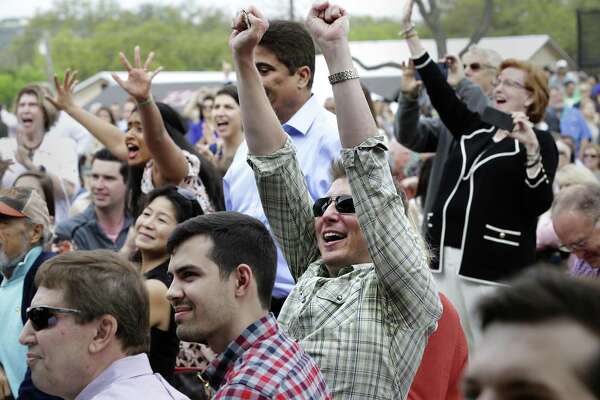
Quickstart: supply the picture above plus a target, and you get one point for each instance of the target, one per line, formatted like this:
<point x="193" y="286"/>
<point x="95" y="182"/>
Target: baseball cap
<point x="25" y="203"/>
<point x="562" y="64"/>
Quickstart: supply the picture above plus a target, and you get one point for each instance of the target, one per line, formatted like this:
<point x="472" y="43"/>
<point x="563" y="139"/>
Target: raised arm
<point x="281" y="184"/>
<point x="170" y="163"/>
<point x="329" y="26"/>
<point x="416" y="133"/>
<point x="262" y="129"/>
<point x="394" y="245"/>
<point x="107" y="134"/>
<point x="453" y="112"/>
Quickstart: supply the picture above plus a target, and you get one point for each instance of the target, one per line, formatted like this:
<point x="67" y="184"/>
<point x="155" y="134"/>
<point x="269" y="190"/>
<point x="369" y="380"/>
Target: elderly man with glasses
<point x="576" y="220"/>
<point x="87" y="330"/>
<point x="24" y="233"/>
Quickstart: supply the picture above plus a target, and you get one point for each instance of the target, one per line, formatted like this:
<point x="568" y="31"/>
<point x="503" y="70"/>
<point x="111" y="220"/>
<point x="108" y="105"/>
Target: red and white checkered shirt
<point x="264" y="363"/>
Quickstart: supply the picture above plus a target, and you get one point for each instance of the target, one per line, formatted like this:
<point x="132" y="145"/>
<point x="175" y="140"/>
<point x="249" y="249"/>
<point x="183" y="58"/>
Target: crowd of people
<point x="261" y="245"/>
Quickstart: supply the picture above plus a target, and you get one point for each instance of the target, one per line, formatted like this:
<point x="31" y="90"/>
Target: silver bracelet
<point x="406" y="33"/>
<point x="343" y="76"/>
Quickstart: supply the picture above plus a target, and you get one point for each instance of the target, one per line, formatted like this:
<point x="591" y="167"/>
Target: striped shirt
<point x="367" y="327"/>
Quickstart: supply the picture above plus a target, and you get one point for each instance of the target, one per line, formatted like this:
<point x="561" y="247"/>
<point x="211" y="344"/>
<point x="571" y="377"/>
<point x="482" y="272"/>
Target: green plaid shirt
<point x="367" y="327"/>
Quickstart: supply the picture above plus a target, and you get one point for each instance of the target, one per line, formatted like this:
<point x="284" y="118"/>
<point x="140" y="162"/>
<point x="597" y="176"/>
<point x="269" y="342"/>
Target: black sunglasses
<point x="476" y="66"/>
<point x="42" y="317"/>
<point x="343" y="205"/>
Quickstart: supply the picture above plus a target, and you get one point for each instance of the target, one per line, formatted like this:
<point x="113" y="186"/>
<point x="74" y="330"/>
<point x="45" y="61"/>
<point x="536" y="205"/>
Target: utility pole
<point x="291" y="10"/>
<point x="46" y="51"/>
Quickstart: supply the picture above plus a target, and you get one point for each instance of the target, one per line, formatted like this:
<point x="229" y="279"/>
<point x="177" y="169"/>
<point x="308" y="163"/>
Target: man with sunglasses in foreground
<point x="24" y="232"/>
<point x="87" y="330"/>
<point x="365" y="301"/>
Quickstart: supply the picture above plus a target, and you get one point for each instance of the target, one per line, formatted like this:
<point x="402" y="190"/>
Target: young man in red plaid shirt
<point x="223" y="267"/>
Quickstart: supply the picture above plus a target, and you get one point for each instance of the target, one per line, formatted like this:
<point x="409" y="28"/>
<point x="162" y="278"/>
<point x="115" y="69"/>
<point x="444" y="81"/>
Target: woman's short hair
<point x="536" y="82"/>
<point x="50" y="112"/>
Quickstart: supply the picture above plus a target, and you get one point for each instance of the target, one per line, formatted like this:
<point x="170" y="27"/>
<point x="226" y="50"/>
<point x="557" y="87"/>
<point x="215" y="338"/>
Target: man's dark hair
<point x="543" y="295"/>
<point x="237" y="239"/>
<point x="291" y="43"/>
<point x="105" y="155"/>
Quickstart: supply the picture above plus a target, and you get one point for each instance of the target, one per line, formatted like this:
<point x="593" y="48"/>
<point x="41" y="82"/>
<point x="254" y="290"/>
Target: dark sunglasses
<point x="42" y="317"/>
<point x="343" y="205"/>
<point x="476" y="66"/>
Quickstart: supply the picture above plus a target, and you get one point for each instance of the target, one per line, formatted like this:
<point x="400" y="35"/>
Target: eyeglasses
<point x="343" y="204"/>
<point x="590" y="155"/>
<point x="42" y="317"/>
<point x="508" y="83"/>
<point x="477" y="66"/>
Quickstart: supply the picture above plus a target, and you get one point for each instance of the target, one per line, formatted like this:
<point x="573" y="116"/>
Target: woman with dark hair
<point x="228" y="119"/>
<point x="163" y="210"/>
<point x="154" y="145"/>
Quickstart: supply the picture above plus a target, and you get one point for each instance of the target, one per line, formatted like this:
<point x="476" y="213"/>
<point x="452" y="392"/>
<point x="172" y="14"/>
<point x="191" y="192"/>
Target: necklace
<point x="31" y="150"/>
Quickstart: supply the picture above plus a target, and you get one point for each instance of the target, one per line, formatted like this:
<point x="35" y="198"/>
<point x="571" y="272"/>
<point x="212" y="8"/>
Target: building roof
<point x="176" y="87"/>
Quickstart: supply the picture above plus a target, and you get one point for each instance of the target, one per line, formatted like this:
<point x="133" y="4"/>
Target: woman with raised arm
<point x="154" y="145"/>
<point x="496" y="182"/>
<point x="365" y="302"/>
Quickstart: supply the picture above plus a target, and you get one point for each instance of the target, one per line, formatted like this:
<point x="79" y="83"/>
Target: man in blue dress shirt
<point x="285" y="59"/>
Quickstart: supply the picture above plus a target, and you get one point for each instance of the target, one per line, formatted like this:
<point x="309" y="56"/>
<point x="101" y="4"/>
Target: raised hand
<point x="456" y="72"/>
<point x="409" y="85"/>
<point x="63" y="100"/>
<point x="328" y="24"/>
<point x="523" y="132"/>
<point x="244" y="39"/>
<point x="139" y="80"/>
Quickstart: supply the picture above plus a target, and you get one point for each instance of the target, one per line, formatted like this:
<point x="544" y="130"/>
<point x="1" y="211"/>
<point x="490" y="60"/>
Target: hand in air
<point x="139" y="79"/>
<point x="328" y="24"/>
<point x="409" y="85"/>
<point x="248" y="28"/>
<point x="63" y="100"/>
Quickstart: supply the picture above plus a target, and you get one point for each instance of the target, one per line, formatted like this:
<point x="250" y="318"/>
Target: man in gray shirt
<point x="105" y="222"/>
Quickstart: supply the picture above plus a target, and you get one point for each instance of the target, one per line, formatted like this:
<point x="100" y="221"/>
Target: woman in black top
<point x="495" y="184"/>
<point x="164" y="209"/>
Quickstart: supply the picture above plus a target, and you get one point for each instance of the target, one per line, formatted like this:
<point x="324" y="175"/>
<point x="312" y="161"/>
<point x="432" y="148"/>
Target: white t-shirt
<point x="58" y="155"/>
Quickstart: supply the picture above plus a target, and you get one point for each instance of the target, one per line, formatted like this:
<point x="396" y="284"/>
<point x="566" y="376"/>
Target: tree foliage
<point x="556" y="18"/>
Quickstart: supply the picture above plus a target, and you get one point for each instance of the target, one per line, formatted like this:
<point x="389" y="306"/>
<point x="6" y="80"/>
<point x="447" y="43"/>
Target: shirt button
<point x="502" y="234"/>
<point x="339" y="297"/>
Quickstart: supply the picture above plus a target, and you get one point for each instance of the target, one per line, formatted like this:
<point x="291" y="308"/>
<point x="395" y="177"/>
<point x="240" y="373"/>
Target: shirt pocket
<point x="336" y="303"/>
<point x="503" y="236"/>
